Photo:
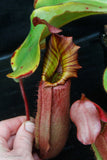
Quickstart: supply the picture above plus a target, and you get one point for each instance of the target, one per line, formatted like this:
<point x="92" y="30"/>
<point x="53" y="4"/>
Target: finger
<point x="24" y="137"/>
<point x="9" y="127"/>
<point x="11" y="139"/>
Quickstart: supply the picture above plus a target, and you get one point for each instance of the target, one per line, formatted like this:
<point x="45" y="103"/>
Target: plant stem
<point x="25" y="99"/>
<point x="97" y="154"/>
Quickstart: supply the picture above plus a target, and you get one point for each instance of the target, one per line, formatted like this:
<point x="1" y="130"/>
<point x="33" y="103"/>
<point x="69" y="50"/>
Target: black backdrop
<point x="86" y="32"/>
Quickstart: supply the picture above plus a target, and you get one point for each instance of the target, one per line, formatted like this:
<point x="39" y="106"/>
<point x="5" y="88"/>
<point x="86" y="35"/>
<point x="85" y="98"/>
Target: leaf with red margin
<point x="26" y="59"/>
<point x="42" y="3"/>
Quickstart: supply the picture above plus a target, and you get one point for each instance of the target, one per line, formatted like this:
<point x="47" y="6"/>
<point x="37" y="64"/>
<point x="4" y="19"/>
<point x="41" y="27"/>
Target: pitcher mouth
<point x="61" y="60"/>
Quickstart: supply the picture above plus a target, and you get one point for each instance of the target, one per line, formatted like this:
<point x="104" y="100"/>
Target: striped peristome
<point x="61" y="59"/>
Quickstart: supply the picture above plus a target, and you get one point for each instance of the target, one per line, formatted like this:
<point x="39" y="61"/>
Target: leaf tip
<point x="52" y="29"/>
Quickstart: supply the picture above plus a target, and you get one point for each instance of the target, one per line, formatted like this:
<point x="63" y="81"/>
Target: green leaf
<point x="42" y="3"/>
<point x="105" y="79"/>
<point x="26" y="59"/>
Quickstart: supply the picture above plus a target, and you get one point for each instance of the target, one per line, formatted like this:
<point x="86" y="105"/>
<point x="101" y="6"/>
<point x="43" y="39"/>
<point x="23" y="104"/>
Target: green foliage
<point x="105" y="80"/>
<point x="58" y="13"/>
<point x="42" y="3"/>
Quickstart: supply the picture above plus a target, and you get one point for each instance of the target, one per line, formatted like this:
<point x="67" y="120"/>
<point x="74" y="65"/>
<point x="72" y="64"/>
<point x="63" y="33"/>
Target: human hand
<point x="16" y="139"/>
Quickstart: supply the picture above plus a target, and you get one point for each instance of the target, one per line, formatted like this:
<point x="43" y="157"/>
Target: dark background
<point x="86" y="32"/>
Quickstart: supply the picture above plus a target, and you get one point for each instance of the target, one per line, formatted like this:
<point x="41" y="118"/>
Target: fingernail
<point x="29" y="126"/>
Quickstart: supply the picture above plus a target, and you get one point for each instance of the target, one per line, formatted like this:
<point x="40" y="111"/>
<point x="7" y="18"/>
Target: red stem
<point x="25" y="99"/>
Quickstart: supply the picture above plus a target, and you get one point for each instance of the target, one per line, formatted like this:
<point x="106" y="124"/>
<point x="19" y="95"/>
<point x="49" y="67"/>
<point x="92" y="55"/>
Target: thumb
<point x="24" y="137"/>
